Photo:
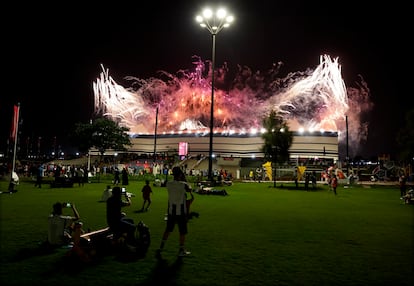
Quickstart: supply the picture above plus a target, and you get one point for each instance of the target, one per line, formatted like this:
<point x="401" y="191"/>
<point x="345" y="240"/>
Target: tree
<point x="102" y="134"/>
<point x="277" y="141"/>
<point x="277" y="138"/>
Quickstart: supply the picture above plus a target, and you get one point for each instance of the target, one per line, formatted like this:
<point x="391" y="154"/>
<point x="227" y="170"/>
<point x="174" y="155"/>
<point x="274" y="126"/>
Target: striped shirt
<point x="176" y="198"/>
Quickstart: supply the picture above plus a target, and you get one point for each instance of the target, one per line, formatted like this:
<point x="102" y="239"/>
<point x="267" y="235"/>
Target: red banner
<point x="15" y="122"/>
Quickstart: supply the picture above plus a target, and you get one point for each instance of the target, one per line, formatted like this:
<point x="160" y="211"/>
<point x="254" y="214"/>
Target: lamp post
<point x="214" y="22"/>
<point x="274" y="149"/>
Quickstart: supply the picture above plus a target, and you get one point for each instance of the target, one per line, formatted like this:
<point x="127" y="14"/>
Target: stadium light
<point x="214" y="22"/>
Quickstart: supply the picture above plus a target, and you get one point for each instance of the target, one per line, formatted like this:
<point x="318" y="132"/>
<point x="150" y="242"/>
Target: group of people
<point x="123" y="227"/>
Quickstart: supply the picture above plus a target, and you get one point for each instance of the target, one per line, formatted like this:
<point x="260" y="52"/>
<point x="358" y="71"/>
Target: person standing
<point x="85" y="175"/>
<point x="146" y="195"/>
<point x="334" y="183"/>
<point x="124" y="176"/>
<point x="313" y="179"/>
<point x="177" y="211"/>
<point x="116" y="176"/>
<point x="39" y="176"/>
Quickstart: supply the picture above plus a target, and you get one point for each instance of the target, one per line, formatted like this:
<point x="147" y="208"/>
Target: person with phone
<point x="60" y="225"/>
<point x="122" y="226"/>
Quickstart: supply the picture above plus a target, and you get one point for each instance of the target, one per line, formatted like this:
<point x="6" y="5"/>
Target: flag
<point x="15" y="122"/>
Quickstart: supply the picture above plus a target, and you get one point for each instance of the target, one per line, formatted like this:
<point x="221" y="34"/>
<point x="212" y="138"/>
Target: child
<point x="146" y="195"/>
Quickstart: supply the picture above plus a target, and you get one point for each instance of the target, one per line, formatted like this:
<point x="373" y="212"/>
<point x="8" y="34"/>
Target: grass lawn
<point x="257" y="235"/>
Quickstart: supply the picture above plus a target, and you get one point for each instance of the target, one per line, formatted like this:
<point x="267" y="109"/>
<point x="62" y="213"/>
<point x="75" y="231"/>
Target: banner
<point x="15" y="122"/>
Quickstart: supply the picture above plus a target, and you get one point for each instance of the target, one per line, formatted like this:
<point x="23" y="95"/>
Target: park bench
<point x="103" y="232"/>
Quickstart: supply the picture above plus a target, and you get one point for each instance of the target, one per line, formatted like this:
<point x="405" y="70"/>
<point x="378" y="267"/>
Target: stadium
<point x="169" y="115"/>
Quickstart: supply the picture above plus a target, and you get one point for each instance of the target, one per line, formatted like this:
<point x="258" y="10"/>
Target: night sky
<point x="52" y="53"/>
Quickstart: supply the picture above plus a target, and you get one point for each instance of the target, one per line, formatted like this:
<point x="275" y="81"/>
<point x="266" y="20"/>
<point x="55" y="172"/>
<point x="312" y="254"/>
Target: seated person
<point x="61" y="226"/>
<point x="106" y="193"/>
<point x="409" y="197"/>
<point x="118" y="222"/>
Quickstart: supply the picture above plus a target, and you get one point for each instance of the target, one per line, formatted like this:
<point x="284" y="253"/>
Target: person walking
<point x="146" y="195"/>
<point x="177" y="211"/>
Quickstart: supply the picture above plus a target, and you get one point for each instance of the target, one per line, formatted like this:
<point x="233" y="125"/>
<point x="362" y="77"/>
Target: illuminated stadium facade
<point x="321" y="145"/>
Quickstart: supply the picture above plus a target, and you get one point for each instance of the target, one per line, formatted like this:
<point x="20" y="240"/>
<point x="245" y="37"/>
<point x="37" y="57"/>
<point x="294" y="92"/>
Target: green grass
<point x="258" y="235"/>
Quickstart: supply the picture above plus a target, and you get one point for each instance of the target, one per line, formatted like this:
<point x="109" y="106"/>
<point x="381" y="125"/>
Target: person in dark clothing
<point x="403" y="185"/>
<point x="146" y="195"/>
<point x="334" y="183"/>
<point x="313" y="180"/>
<point x="85" y="175"/>
<point x="118" y="222"/>
<point x="39" y="176"/>
<point x="116" y="177"/>
<point x="124" y="176"/>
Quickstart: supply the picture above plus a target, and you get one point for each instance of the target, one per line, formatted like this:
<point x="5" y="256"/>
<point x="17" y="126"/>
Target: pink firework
<point x="316" y="99"/>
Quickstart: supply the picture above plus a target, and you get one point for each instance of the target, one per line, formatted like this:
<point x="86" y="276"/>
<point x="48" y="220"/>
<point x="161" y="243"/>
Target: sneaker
<point x="183" y="253"/>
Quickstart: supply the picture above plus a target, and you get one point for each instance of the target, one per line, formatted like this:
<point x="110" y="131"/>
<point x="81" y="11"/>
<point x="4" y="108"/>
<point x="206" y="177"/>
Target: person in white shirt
<point x="61" y="226"/>
<point x="177" y="211"/>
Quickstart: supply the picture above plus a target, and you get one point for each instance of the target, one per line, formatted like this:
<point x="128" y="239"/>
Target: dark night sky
<point x="52" y="53"/>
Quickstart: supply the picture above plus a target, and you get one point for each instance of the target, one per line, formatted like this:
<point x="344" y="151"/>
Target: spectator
<point x="177" y="211"/>
<point x="85" y="178"/>
<point x="118" y="222"/>
<point x="409" y="197"/>
<point x="124" y="176"/>
<point x="146" y="195"/>
<point x="116" y="176"/>
<point x="61" y="226"/>
<point x="313" y="179"/>
<point x="334" y="183"/>
<point x="403" y="185"/>
<point x="107" y="193"/>
<point x="39" y="176"/>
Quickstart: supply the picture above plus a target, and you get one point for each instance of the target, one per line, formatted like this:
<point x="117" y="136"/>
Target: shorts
<point x="180" y="220"/>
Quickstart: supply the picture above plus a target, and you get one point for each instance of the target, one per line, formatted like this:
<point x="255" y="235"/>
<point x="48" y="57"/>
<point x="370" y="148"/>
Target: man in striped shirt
<point x="177" y="210"/>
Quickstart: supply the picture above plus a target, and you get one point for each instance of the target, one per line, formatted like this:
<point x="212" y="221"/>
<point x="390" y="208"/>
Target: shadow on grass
<point x="41" y="249"/>
<point x="165" y="273"/>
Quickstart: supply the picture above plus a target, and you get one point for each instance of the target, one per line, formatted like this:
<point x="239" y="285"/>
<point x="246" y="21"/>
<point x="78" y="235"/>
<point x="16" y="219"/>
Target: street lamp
<point x="214" y="22"/>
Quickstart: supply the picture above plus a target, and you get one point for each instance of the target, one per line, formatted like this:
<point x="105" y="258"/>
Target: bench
<point x="97" y="233"/>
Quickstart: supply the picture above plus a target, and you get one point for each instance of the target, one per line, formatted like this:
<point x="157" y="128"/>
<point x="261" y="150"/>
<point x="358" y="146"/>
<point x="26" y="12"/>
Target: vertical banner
<point x="14" y="179"/>
<point x="15" y="122"/>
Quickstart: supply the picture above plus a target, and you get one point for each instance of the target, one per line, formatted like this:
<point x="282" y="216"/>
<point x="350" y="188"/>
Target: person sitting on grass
<point x="61" y="226"/>
<point x="107" y="193"/>
<point x="409" y="197"/>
